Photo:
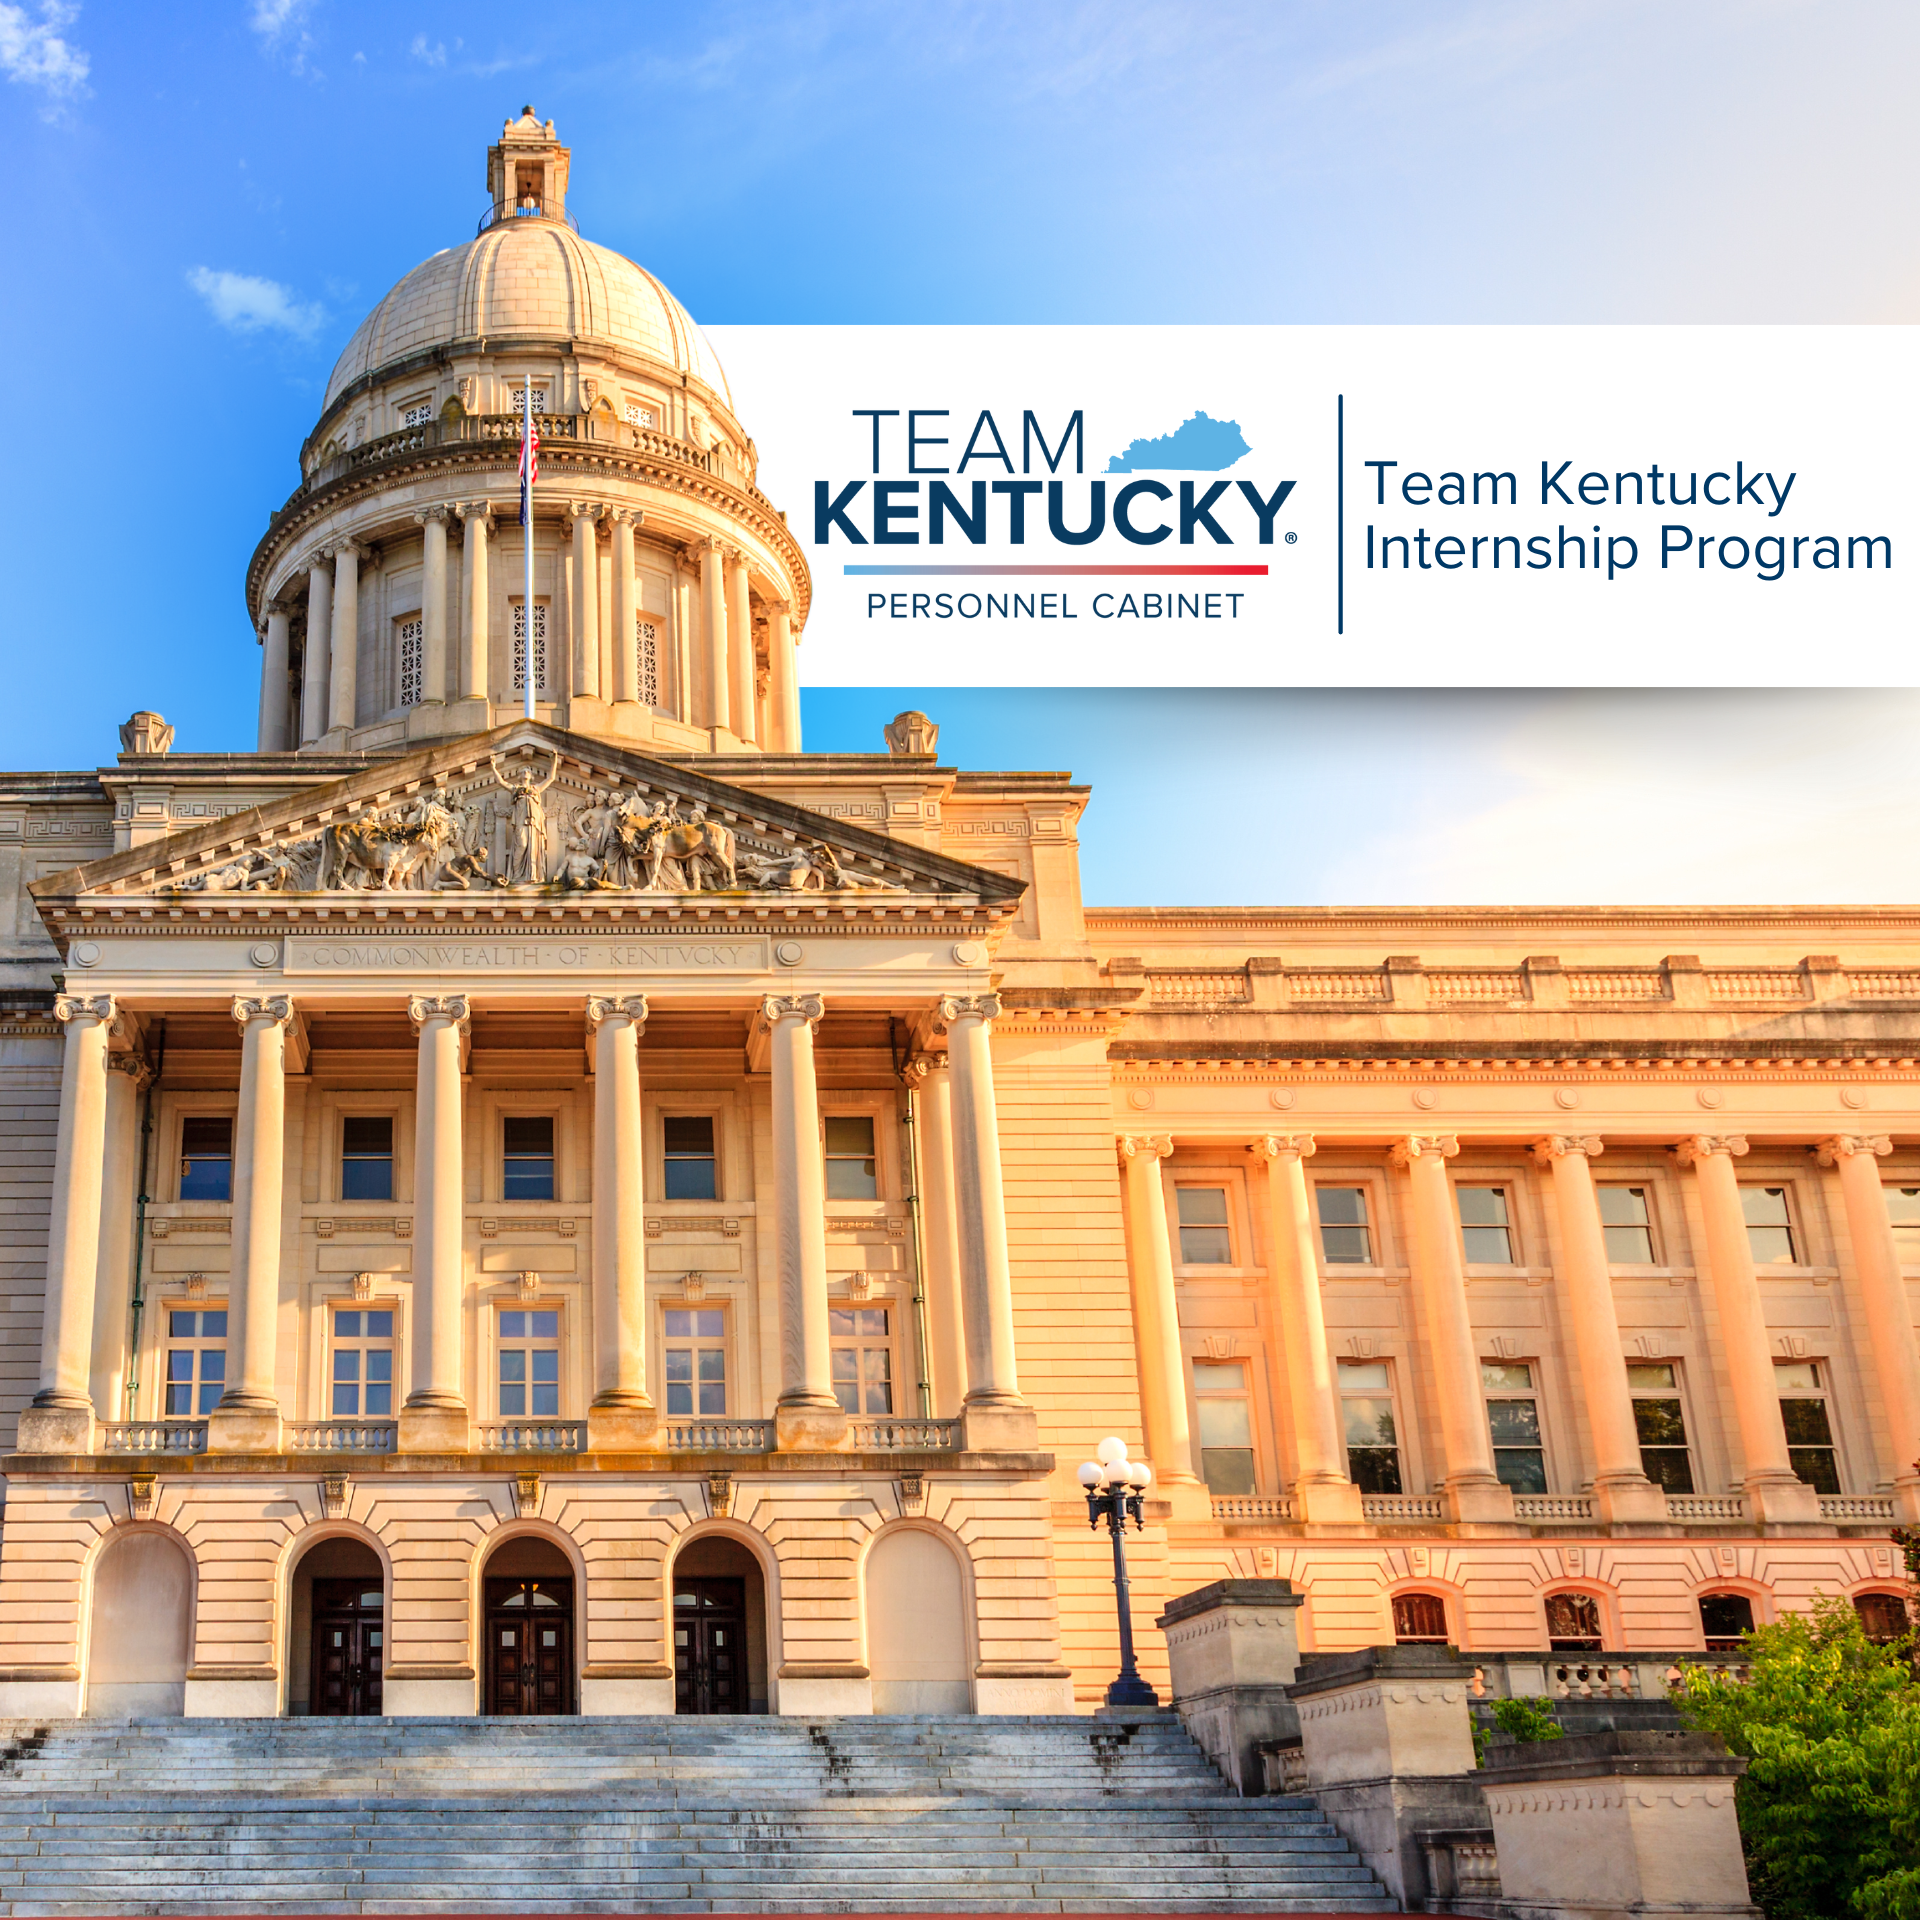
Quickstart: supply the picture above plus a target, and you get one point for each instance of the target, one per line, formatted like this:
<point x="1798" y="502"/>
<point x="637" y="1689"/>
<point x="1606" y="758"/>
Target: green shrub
<point x="1521" y="1720"/>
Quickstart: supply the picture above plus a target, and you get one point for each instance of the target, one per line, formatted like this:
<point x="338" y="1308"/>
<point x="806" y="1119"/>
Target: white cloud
<point x="282" y="27"/>
<point x="33" y="52"/>
<point x="434" y="55"/>
<point x="245" y="303"/>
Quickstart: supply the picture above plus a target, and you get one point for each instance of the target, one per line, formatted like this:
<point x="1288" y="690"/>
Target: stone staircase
<point x="648" y="1815"/>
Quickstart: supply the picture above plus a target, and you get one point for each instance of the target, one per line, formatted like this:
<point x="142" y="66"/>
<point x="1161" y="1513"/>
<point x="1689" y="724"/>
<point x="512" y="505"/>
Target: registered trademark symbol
<point x="1291" y="538"/>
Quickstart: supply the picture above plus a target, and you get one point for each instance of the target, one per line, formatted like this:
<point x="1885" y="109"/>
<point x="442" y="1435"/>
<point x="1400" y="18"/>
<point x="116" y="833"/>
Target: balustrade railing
<point x="1253" y="1506"/>
<point x="905" y="1436"/>
<point x="153" y="1436"/>
<point x="533" y="1436"/>
<point x="1193" y="987"/>
<point x="720" y="1436"/>
<point x="1553" y="1506"/>
<point x="1402" y="1507"/>
<point x="342" y="1436"/>
<point x="1592" y="1676"/>
<point x="1856" y="1506"/>
<point x="1724" y="1507"/>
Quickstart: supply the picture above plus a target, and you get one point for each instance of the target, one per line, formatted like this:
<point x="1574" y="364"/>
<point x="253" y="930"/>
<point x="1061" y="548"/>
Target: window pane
<point x="206" y="1134"/>
<point x="210" y="1392"/>
<point x="1623" y="1206"/>
<point x="1772" y="1246"/>
<point x="1764" y="1206"/>
<point x="1816" y="1466"/>
<point x="1374" y="1469"/>
<point x="1488" y="1246"/>
<point x="1362" y="1375"/>
<point x="872" y="1320"/>
<point x="1210" y="1377"/>
<point x="1227" y="1469"/>
<point x="180" y="1325"/>
<point x="529" y="1134"/>
<point x="546" y="1364"/>
<point x="346" y="1402"/>
<point x="680" y="1397"/>
<point x="689" y="1133"/>
<point x="213" y="1325"/>
<point x="1201" y="1206"/>
<point x="513" y="1363"/>
<point x="713" y="1397"/>
<point x="180" y="1360"/>
<point x="1628" y="1246"/>
<point x="1882" y="1615"/>
<point x="513" y="1401"/>
<point x="850" y="1133"/>
<point x="710" y="1324"/>
<point x="346" y="1364"/>
<point x="513" y="1325"/>
<point x="1573" y="1622"/>
<point x="1506" y="1373"/>
<point x="1651" y="1373"/>
<point x="1659" y="1423"/>
<point x="713" y="1364"/>
<point x="1368" y="1423"/>
<point x="1806" y="1423"/>
<point x="380" y="1325"/>
<point x="846" y="1366"/>
<point x="1625" y="1223"/>
<point x="545" y="1326"/>
<point x="1903" y="1209"/>
<point x="1724" y="1617"/>
<point x="679" y="1363"/>
<point x="527" y="1180"/>
<point x="1225" y="1423"/>
<point x="1206" y="1247"/>
<point x="851" y="1168"/>
<point x="213" y="1364"/>
<point x="1419" y="1619"/>
<point x="1520" y="1468"/>
<point x="1482" y="1206"/>
<point x="839" y="1320"/>
<point x="546" y="1402"/>
<point x="379" y="1399"/>
<point x="1668" y="1467"/>
<point x="1346" y="1246"/>
<point x="1342" y="1206"/>
<point x="366" y="1179"/>
<point x="179" y="1402"/>
<point x="346" y="1326"/>
<point x="879" y="1380"/>
<point x="1801" y="1376"/>
<point x="367" y="1133"/>
<point x="689" y="1180"/>
<point x="852" y="1180"/>
<point x="1515" y="1423"/>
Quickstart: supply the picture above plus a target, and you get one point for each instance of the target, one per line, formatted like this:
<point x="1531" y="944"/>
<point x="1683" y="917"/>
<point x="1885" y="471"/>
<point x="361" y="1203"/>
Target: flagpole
<point x="526" y="483"/>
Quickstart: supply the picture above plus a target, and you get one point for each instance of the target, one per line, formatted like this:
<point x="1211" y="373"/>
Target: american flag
<point x="529" y="456"/>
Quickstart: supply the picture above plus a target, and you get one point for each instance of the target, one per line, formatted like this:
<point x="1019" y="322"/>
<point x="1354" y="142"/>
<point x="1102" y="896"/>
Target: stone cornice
<point x="1275" y="923"/>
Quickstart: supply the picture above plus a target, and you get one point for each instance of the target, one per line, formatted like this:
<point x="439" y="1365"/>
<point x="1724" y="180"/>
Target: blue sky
<point x="208" y="196"/>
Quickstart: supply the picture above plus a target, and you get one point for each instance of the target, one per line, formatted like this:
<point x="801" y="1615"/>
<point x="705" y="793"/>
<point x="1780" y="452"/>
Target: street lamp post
<point x="1114" y="1485"/>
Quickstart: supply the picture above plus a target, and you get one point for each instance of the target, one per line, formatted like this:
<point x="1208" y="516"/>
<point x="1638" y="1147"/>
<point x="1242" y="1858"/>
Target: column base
<point x="1188" y="1500"/>
<point x="999" y="1427"/>
<point x="473" y="714"/>
<point x="624" y="1430"/>
<point x="812" y="1429"/>
<point x="1784" y="1502"/>
<point x="1632" y="1500"/>
<point x="1327" y="1503"/>
<point x="434" y="1430"/>
<point x="232" y="1693"/>
<point x="55" y="1430"/>
<point x="40" y="1693"/>
<point x="243" y="1430"/>
<point x="824" y="1687"/>
<point x="1483" y="1503"/>
<point x="1031" y="1690"/>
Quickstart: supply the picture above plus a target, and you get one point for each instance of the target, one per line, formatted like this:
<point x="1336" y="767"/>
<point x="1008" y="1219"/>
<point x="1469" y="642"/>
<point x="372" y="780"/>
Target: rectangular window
<point x="1346" y="1237"/>
<point x="688" y="1163"/>
<point x="420" y="414"/>
<point x="519" y="398"/>
<point x="1661" y="1424"/>
<point x="362" y="1363"/>
<point x="366" y="1157"/>
<point x="541" y="684"/>
<point x="696" y="1351"/>
<point x="529" y="1361"/>
<point x="1903" y="1209"/>
<point x="196" y="1361"/>
<point x="1803" y="1411"/>
<point x="410" y="659"/>
<point x="527" y="1159"/>
<point x="1206" y="1240"/>
<point x="1226" y="1426"/>
<point x="1513" y="1416"/>
<point x="646" y="658"/>
<point x="862" y="1355"/>
<point x="1628" y="1226"/>
<point x="852" y="1172"/>
<point x="639" y="416"/>
<point x="1769" y="1227"/>
<point x="1366" y="1411"/>
<point x="1419" y="1620"/>
<point x="206" y="1157"/>
<point x="1484" y="1228"/>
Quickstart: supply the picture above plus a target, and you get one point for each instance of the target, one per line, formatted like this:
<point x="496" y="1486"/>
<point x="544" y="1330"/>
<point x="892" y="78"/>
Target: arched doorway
<point x="917" y="1625"/>
<point x="527" y="1590"/>
<point x="337" y="1633"/>
<point x="140" y="1637"/>
<point x="719" y="1628"/>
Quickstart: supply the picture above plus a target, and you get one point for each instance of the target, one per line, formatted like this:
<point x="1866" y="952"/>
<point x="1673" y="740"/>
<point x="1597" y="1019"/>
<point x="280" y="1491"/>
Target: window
<point x="366" y="1157"/>
<point x="688" y="1163"/>
<point x="362" y="1363"/>
<point x="519" y="395"/>
<point x="1226" y="1426"/>
<point x="862" y="1344"/>
<point x="639" y="416"/>
<point x="1660" y="1423"/>
<point x="1484" y="1227"/>
<point x="1627" y="1225"/>
<point x="1903" y="1209"/>
<point x="420" y="414"/>
<point x="1513" y="1414"/>
<point x="410" y="658"/>
<point x="1724" y="1617"/>
<point x="1366" y="1410"/>
<point x="1573" y="1623"/>
<point x="1346" y="1239"/>
<point x="540" y="681"/>
<point x="1769" y="1229"/>
<point x="646" y="659"/>
<point x="1419" y="1620"/>
<point x="1803" y="1412"/>
<point x="851" y="1171"/>
<point x="1883" y="1617"/>
<point x="529" y="1361"/>
<point x="196" y="1360"/>
<point x="527" y="1160"/>
<point x="1205" y="1238"/>
<point x="206" y="1157"/>
<point x="696" y="1362"/>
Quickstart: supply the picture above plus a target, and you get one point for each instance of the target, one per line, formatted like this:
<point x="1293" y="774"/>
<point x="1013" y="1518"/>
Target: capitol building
<point x="528" y="1192"/>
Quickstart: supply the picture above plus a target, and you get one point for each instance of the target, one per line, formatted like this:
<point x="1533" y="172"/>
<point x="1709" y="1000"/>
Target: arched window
<point x="1573" y="1623"/>
<point x="1883" y="1616"/>
<point x="1419" y="1620"/>
<point x="1724" y="1618"/>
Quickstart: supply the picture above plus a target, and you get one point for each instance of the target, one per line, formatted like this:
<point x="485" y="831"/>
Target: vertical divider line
<point x="1340" y="513"/>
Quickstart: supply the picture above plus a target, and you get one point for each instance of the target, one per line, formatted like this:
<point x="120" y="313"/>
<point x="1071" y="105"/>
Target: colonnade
<point x="964" y="1185"/>
<point x="728" y="691"/>
<point x="1622" y="1493"/>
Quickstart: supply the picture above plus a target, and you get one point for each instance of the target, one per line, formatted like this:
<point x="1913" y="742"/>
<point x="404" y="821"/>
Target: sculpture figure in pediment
<point x="266" y="870"/>
<point x="527" y="831"/>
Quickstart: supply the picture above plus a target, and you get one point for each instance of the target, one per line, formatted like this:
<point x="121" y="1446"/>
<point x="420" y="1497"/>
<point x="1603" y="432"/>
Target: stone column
<point x="1156" y="1313"/>
<point x="807" y="1418"/>
<point x="1883" y="1297"/>
<point x="622" y="1414"/>
<point x="1775" y="1493"/>
<point x="476" y="518"/>
<point x="784" y="702"/>
<point x="345" y="651"/>
<point x="313" y="674"/>
<point x="940" y="1230"/>
<point x="996" y="1418"/>
<point x="247" y="1420"/>
<point x="626" y="607"/>
<point x="273" y="682"/>
<point x="740" y="693"/>
<point x="1622" y="1493"/>
<point x="433" y="605"/>
<point x="60" y="1420"/>
<point x="434" y="1419"/>
<point x="123" y="1168"/>
<point x="1323" y="1495"/>
<point x="586" y="598"/>
<point x="713" y="623"/>
<point x="1472" y="1488"/>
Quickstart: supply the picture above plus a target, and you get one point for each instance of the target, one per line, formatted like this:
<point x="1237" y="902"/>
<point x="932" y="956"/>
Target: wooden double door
<point x="530" y="1646"/>
<point x="349" y="1647"/>
<point x="709" y="1646"/>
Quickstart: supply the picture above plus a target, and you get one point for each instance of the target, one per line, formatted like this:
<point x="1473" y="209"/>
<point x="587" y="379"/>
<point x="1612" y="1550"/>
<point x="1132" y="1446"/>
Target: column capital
<point x="316" y="561"/>
<point x="276" y="1007"/>
<point x="83" y="1006"/>
<point x="480" y="510"/>
<point x="1703" y="1146"/>
<point x="349" y="550"/>
<point x="626" y="516"/>
<point x="589" y="510"/>
<point x="969" y="1006"/>
<point x="712" y="544"/>
<point x="778" y="609"/>
<point x="776" y="1007"/>
<point x="136" y="1066"/>
<point x="1843" y="1146"/>
<point x="631" y="1007"/>
<point x="1282" y="1146"/>
<point x="1427" y="1146"/>
<point x="1144" y="1146"/>
<point x="423" y="514"/>
<point x="923" y="1066"/>
<point x="1557" y="1145"/>
<point x="422" y="1007"/>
